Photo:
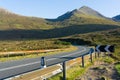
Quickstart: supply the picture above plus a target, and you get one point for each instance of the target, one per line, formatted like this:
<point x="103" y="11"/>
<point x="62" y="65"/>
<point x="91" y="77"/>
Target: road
<point x="13" y="68"/>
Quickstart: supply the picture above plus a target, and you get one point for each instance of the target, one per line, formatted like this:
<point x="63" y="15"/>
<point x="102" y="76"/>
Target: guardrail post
<point x="95" y="55"/>
<point x="91" y="57"/>
<point x="64" y="70"/>
<point x="82" y="61"/>
<point x="98" y="54"/>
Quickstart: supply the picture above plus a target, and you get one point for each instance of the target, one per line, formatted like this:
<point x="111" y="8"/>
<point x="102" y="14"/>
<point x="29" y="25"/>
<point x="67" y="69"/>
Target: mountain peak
<point x="85" y="7"/>
<point x="91" y="12"/>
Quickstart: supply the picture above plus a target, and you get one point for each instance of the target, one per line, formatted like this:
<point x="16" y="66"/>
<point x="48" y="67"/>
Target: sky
<point x="55" y="8"/>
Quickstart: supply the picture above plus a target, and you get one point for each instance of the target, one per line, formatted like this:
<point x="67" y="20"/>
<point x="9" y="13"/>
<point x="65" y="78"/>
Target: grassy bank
<point x="72" y="73"/>
<point x="24" y="45"/>
<point x="76" y="70"/>
<point x="34" y="55"/>
<point x="31" y="45"/>
<point x="117" y="66"/>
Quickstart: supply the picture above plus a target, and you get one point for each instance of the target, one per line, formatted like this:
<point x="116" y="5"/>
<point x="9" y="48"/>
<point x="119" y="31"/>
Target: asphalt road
<point x="13" y="68"/>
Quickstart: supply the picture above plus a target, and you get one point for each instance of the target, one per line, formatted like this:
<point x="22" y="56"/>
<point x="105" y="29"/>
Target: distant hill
<point x="10" y="21"/>
<point x="78" y="21"/>
<point x="116" y="18"/>
<point x="83" y="15"/>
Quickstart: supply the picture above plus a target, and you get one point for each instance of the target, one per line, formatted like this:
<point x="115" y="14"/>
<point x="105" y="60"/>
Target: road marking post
<point x="43" y="62"/>
<point x="64" y="70"/>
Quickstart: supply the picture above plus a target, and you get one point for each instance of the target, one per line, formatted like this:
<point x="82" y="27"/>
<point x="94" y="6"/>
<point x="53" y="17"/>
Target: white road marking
<point x="9" y="68"/>
<point x="18" y="66"/>
<point x="67" y="55"/>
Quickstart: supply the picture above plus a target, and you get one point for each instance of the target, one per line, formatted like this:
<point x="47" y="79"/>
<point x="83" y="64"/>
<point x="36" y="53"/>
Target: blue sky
<point x="55" y="8"/>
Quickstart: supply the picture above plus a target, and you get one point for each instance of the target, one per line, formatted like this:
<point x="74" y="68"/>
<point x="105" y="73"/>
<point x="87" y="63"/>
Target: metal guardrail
<point x="91" y="50"/>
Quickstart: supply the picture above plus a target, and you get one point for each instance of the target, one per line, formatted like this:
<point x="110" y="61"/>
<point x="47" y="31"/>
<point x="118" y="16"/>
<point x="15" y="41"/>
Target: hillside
<point x="78" y="21"/>
<point x="83" y="15"/>
<point x="53" y="33"/>
<point x="10" y="21"/>
<point x="108" y="37"/>
<point x="116" y="18"/>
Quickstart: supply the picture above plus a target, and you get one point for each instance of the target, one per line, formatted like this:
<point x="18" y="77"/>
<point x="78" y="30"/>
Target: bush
<point x="62" y="43"/>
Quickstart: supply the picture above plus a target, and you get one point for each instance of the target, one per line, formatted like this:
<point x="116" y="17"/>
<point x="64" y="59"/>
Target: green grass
<point x="107" y="59"/>
<point x="76" y="70"/>
<point x="117" y="66"/>
<point x="73" y="72"/>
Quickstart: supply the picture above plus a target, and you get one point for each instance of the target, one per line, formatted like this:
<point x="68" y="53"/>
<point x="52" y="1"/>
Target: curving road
<point x="13" y="68"/>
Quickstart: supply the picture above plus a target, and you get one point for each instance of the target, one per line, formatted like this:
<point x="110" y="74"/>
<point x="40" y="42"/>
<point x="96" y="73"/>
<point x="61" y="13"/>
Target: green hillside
<point x="53" y="33"/>
<point x="10" y="21"/>
<point x="78" y="21"/>
<point x="82" y="16"/>
<point x="84" y="25"/>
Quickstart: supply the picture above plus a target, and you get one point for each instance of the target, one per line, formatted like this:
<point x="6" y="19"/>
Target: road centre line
<point x="4" y="69"/>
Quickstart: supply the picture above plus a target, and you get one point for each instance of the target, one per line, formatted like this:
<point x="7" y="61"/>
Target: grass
<point x="34" y="55"/>
<point x="107" y="59"/>
<point x="77" y="70"/>
<point x="117" y="66"/>
<point x="73" y="72"/>
<point x="24" y="45"/>
<point x="29" y="45"/>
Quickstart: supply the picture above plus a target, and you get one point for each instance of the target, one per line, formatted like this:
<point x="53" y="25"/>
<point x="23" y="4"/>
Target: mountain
<point x="83" y="15"/>
<point x="81" y="12"/>
<point x="78" y="21"/>
<point x="10" y="21"/>
<point x="88" y="11"/>
<point x="116" y="18"/>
